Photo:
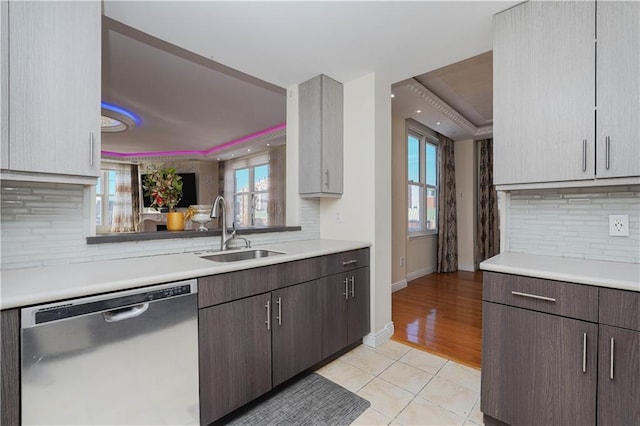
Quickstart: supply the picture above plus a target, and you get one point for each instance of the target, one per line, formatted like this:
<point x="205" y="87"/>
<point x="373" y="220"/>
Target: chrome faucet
<point x="219" y="209"/>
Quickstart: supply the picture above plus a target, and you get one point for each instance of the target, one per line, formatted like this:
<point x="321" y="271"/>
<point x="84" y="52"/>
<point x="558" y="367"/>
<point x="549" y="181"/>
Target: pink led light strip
<point x="196" y="152"/>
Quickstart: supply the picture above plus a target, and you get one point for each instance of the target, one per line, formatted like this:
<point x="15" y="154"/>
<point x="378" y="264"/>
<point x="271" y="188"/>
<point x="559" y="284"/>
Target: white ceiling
<point x="283" y="44"/>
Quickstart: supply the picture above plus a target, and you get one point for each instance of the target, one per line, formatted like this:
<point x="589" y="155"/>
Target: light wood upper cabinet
<point x="321" y="137"/>
<point x="54" y="87"/>
<point x="618" y="89"/>
<point x="546" y="128"/>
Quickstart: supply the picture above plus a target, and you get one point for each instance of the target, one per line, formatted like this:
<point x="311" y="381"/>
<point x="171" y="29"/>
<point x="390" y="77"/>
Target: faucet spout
<point x="219" y="210"/>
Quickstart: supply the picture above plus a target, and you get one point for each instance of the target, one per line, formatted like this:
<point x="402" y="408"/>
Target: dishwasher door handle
<point x="126" y="313"/>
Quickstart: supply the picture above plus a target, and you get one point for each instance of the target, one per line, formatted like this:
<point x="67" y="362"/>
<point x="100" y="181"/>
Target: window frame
<point x="103" y="195"/>
<point x="252" y="193"/>
<point x="425" y="138"/>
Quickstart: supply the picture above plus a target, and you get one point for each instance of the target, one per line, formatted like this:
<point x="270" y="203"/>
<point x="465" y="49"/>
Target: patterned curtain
<point x="122" y="220"/>
<point x="447" y="227"/>
<point x="135" y="197"/>
<point x="488" y="222"/>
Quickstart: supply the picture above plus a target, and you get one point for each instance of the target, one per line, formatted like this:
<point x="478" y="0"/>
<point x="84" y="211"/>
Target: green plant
<point x="163" y="185"/>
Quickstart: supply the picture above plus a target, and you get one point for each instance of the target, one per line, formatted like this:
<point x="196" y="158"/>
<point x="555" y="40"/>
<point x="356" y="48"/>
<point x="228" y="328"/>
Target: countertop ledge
<point x="24" y="287"/>
<point x="623" y="276"/>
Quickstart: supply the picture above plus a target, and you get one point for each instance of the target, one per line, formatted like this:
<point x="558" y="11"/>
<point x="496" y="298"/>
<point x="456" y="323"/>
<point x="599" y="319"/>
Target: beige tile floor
<point x="407" y="386"/>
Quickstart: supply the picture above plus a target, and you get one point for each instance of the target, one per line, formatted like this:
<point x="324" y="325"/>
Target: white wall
<point x="365" y="206"/>
<point x="398" y="203"/>
<point x="466" y="202"/>
<point x="422" y="253"/>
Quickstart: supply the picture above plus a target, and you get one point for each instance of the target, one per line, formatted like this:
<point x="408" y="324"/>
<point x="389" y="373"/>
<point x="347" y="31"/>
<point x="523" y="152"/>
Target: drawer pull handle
<point x="584" y="352"/>
<point x="353" y="292"/>
<point x="349" y="262"/>
<point x="611" y="366"/>
<point x="533" y="296"/>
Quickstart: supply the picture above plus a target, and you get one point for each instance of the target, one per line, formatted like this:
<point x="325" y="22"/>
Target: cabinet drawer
<point x="554" y="297"/>
<point x="221" y="288"/>
<point x="620" y="308"/>
<point x="346" y="261"/>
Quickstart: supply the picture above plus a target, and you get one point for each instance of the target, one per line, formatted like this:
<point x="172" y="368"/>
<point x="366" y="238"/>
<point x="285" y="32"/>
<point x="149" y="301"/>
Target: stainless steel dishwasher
<point x="125" y="358"/>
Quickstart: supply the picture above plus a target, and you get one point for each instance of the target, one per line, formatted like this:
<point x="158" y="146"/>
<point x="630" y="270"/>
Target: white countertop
<point x="624" y="276"/>
<point x="22" y="287"/>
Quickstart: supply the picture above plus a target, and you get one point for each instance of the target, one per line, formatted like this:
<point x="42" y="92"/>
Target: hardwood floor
<point x="442" y="314"/>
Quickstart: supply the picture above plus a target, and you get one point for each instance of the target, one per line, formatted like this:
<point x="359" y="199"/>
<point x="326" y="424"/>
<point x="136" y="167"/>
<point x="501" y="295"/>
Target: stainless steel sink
<point x="236" y="256"/>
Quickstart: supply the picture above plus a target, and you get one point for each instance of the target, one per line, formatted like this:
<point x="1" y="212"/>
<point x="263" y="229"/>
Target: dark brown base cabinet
<point x="547" y="361"/>
<point x="345" y="307"/>
<point x="296" y="323"/>
<point x="250" y="343"/>
<point x="237" y="345"/>
<point x="10" y="367"/>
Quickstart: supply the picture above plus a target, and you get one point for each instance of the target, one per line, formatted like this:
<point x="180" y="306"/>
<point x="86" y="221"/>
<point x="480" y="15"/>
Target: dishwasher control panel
<point x="168" y="292"/>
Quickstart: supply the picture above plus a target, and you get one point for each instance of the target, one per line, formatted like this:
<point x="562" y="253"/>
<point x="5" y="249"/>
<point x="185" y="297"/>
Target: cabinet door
<point x="54" y="82"/>
<point x="321" y="137"/>
<point x="619" y="377"/>
<point x="618" y="89"/>
<point x="532" y="367"/>
<point x="335" y="294"/>
<point x="544" y="94"/>
<point x="296" y="322"/>
<point x="359" y="304"/>
<point x="235" y="355"/>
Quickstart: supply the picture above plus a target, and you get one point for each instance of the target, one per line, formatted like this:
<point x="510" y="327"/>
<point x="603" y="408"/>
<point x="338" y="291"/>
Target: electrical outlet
<point x="338" y="217"/>
<point x="619" y="225"/>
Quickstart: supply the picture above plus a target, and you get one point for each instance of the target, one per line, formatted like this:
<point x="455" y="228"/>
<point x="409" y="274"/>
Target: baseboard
<point x="467" y="267"/>
<point x="379" y="337"/>
<point x="421" y="272"/>
<point x="398" y="286"/>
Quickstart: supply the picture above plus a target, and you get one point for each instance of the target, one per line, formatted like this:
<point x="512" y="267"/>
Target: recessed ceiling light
<point x="248" y="149"/>
<point x="110" y="124"/>
<point x="218" y="159"/>
<point x="437" y="123"/>
<point x="418" y="111"/>
<point x="233" y="155"/>
<point x="393" y="96"/>
<point x="268" y="144"/>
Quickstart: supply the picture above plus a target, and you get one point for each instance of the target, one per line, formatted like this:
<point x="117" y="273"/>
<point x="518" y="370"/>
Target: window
<point x="105" y="197"/>
<point x="251" y="196"/>
<point x="422" y="177"/>
<point x="256" y="189"/>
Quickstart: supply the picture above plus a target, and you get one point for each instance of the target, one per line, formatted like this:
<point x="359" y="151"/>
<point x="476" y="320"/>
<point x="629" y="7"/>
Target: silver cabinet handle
<point x="279" y="317"/>
<point x="584" y="155"/>
<point x="326" y="180"/>
<point x="91" y="144"/>
<point x="611" y="365"/>
<point x="584" y="352"/>
<point x="533" y="296"/>
<point x="353" y="292"/>
<point x="607" y="144"/>
<point x="346" y="288"/>
<point x="349" y="262"/>
<point x="268" y="321"/>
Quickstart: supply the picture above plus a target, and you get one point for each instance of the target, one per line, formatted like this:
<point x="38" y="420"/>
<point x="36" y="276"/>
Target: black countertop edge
<point x="169" y="235"/>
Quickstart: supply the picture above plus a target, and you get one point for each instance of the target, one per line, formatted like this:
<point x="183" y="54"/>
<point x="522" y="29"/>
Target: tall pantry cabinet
<point x="566" y="92"/>
<point x="51" y="87"/>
